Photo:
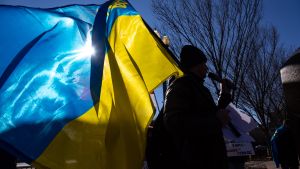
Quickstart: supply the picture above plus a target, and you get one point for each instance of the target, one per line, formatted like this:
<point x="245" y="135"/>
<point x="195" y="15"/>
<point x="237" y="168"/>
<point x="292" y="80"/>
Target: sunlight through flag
<point x="75" y="85"/>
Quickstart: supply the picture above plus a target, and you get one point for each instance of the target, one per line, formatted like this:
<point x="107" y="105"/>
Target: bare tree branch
<point x="237" y="45"/>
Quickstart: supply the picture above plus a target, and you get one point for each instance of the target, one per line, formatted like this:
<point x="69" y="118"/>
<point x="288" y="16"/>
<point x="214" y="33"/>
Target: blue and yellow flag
<point x="75" y="84"/>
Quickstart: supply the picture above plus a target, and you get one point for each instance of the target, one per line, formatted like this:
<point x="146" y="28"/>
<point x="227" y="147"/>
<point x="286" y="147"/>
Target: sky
<point x="283" y="14"/>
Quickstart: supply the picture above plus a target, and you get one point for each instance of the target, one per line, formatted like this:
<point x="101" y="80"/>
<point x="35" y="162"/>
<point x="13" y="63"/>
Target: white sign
<point x="243" y="124"/>
<point x="239" y="149"/>
<point x="241" y="121"/>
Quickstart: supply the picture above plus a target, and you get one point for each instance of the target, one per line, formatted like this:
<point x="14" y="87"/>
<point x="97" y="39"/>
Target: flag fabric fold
<point x="64" y="105"/>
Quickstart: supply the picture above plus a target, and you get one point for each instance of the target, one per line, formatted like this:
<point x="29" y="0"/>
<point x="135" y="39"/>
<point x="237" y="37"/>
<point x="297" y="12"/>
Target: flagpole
<point x="166" y="42"/>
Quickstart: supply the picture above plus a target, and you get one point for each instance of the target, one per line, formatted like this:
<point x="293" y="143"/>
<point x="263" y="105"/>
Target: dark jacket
<point x="190" y="119"/>
<point x="284" y="150"/>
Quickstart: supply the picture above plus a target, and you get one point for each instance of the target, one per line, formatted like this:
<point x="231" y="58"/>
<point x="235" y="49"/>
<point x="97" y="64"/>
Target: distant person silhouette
<point x="284" y="149"/>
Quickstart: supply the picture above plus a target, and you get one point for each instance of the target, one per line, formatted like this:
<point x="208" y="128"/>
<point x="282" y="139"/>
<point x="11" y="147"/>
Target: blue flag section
<point x="75" y="84"/>
<point x="45" y="70"/>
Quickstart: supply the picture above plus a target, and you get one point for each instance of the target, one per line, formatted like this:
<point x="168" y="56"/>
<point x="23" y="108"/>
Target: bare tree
<point x="224" y="30"/>
<point x="261" y="88"/>
<point x="237" y="45"/>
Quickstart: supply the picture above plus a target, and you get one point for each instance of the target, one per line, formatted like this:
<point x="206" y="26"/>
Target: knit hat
<point x="191" y="56"/>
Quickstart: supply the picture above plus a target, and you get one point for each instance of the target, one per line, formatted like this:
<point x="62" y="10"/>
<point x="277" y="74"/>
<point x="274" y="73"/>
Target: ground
<point x="260" y="165"/>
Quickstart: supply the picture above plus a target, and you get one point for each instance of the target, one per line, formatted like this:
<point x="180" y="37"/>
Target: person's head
<point x="193" y="61"/>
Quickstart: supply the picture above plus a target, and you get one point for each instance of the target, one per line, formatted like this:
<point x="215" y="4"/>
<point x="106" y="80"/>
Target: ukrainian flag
<point x="66" y="106"/>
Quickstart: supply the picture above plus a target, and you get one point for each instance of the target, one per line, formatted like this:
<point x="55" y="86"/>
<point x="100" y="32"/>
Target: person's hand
<point x="226" y="86"/>
<point x="223" y="117"/>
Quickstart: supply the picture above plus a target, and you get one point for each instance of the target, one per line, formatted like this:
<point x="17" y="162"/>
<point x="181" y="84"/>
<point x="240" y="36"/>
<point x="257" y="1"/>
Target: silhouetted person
<point x="284" y="148"/>
<point x="7" y="161"/>
<point x="192" y="118"/>
<point x="290" y="77"/>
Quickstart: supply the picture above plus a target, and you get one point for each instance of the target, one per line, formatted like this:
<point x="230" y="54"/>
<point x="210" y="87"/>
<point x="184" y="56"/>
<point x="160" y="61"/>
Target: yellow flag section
<point x="138" y="64"/>
<point x="115" y="138"/>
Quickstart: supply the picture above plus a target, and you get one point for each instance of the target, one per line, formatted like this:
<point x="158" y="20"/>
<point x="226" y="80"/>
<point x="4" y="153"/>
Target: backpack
<point x="159" y="150"/>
